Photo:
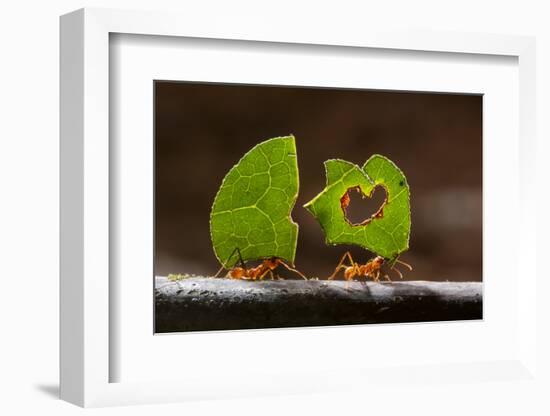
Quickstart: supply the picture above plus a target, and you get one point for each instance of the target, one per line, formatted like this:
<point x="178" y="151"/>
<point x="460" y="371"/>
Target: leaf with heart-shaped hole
<point x="385" y="232"/>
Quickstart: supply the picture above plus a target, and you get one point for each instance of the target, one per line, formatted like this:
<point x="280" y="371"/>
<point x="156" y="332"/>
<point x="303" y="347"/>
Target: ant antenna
<point x="397" y="271"/>
<point x="292" y="269"/>
<point x="407" y="265"/>
<point x="404" y="264"/>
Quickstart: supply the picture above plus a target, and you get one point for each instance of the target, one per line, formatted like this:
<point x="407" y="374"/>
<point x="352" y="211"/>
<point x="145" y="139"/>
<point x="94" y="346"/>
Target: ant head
<point x="379" y="260"/>
<point x="271" y="262"/>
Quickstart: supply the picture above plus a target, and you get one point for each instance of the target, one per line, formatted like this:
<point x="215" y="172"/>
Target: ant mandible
<point x="256" y="273"/>
<point x="371" y="269"/>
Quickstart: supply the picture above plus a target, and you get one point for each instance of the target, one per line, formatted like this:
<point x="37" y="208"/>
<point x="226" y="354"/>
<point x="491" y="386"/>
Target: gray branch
<point x="199" y="303"/>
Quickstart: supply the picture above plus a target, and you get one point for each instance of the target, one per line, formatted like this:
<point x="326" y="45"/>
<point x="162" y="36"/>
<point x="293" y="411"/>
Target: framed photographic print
<point x="273" y="196"/>
<point x="301" y="270"/>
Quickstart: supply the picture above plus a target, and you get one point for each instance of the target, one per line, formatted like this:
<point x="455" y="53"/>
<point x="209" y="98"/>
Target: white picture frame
<point x="86" y="355"/>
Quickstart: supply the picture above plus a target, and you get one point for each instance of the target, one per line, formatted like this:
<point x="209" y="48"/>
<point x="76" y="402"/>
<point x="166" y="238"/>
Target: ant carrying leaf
<point x="252" y="209"/>
<point x="372" y="269"/>
<point x="385" y="233"/>
<point x="267" y="267"/>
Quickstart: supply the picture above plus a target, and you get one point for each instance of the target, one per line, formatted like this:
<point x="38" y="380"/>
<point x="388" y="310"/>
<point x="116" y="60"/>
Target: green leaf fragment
<point x="252" y="209"/>
<point x="175" y="277"/>
<point x="385" y="234"/>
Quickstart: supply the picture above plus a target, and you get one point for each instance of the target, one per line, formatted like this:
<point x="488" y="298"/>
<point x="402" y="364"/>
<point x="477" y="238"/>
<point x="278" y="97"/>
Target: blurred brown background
<point x="202" y="130"/>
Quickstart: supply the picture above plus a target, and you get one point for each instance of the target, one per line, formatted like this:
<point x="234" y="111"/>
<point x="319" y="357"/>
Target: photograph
<point x="291" y="206"/>
<point x="269" y="208"/>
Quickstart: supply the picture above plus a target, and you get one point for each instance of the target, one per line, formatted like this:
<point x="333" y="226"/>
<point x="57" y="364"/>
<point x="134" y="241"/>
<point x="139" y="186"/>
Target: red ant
<point x="371" y="269"/>
<point x="259" y="272"/>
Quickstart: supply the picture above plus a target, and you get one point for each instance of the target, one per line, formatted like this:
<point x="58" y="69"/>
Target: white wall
<point x="29" y="189"/>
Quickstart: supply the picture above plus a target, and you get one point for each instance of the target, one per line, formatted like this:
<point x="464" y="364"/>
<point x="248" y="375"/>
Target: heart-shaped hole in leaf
<point x="360" y="209"/>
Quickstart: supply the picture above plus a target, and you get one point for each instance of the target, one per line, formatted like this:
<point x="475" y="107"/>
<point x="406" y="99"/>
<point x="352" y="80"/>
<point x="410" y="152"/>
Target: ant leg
<point x="261" y="277"/>
<point x="292" y="269"/>
<point x="355" y="272"/>
<point x="385" y="277"/>
<point x="341" y="264"/>
<point x="348" y="255"/>
<point x="349" y="278"/>
<point x="376" y="276"/>
<point x="338" y="268"/>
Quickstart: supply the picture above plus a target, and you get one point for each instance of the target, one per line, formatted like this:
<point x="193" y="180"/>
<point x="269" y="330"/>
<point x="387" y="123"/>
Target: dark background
<point x="202" y="130"/>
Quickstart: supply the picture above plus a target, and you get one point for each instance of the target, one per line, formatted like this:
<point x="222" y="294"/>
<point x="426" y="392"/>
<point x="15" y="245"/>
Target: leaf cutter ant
<point x="266" y="267"/>
<point x="371" y="269"/>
